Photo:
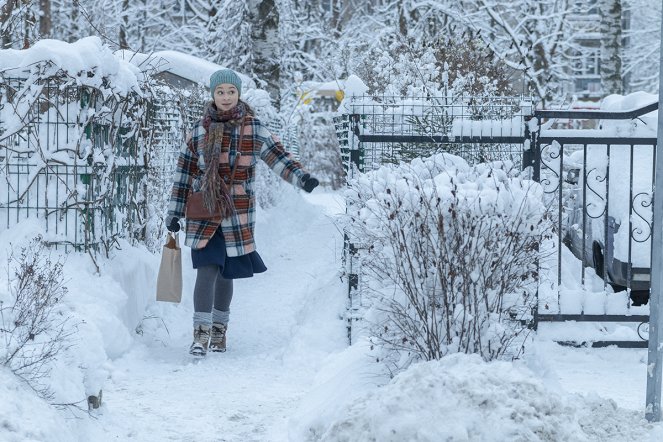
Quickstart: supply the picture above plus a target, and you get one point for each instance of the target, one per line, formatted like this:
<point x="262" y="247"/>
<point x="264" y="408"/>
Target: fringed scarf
<point x="215" y="192"/>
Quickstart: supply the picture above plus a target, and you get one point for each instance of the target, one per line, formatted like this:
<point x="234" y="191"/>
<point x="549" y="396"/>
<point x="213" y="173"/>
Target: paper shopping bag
<point x="169" y="281"/>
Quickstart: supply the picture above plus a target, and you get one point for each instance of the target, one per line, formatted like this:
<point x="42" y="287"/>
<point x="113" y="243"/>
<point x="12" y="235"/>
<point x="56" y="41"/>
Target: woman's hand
<point x="173" y="224"/>
<point x="309" y="183"/>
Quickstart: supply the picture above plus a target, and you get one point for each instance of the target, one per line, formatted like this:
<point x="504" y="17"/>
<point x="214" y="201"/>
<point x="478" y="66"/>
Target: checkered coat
<point x="258" y="143"/>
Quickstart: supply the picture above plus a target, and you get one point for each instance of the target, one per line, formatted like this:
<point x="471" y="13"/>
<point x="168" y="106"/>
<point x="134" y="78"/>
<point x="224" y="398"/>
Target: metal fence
<point x="387" y="129"/>
<point x="598" y="185"/>
<point x="89" y="165"/>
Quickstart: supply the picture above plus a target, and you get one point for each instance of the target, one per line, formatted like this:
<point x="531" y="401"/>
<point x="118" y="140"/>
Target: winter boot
<point x="218" y="338"/>
<point x="200" y="340"/>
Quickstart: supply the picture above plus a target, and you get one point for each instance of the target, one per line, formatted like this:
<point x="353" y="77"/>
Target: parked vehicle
<point x="608" y="212"/>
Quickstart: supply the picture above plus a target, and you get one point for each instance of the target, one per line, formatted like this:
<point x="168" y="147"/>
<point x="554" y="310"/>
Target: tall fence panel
<point x="389" y="130"/>
<point x="88" y="164"/>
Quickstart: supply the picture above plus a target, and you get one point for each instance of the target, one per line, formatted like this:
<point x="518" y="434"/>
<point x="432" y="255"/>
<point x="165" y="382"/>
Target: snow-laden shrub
<point x="449" y="256"/>
<point x="33" y="327"/>
<point x="319" y="149"/>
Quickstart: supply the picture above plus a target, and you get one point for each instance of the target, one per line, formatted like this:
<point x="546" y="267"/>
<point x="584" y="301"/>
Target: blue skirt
<point x="231" y="267"/>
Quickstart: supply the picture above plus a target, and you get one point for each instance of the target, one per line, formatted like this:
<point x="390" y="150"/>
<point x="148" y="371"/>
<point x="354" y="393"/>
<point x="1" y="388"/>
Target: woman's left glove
<point x="173" y="224"/>
<point x="309" y="183"/>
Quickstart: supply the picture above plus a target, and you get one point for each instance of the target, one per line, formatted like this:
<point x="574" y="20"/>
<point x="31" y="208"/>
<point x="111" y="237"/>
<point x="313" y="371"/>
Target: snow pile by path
<point x="24" y="417"/>
<point x="103" y="310"/>
<point x="462" y="398"/>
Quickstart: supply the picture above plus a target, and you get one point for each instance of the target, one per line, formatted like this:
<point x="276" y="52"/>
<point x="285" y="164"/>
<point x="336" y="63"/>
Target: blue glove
<point x="309" y="183"/>
<point x="173" y="224"/>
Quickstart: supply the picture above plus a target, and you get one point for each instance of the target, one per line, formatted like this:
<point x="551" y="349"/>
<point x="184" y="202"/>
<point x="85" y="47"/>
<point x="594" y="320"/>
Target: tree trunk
<point x="266" y="50"/>
<point x="45" y="22"/>
<point x="30" y="27"/>
<point x="611" y="47"/>
<point x="124" y="23"/>
<point x="5" y="30"/>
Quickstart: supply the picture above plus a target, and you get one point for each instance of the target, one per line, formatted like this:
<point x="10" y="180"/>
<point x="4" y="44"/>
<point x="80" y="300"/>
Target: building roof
<point x="188" y="67"/>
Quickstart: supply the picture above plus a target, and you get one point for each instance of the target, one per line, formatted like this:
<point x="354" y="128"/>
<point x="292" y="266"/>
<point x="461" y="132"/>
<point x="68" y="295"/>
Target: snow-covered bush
<point x="33" y="327"/>
<point x="450" y="256"/>
<point x="319" y="149"/>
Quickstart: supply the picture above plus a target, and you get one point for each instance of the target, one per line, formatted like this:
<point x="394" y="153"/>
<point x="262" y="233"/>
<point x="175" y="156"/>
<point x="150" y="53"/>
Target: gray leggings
<point x="211" y="296"/>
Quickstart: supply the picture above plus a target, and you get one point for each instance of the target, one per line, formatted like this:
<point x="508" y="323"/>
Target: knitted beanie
<point x="225" y="76"/>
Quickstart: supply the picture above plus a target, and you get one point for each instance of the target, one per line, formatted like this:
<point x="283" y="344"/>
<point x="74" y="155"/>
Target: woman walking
<point x="219" y="161"/>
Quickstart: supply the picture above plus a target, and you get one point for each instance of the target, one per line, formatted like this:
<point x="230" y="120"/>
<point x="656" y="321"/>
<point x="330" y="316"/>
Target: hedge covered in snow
<point x="448" y="254"/>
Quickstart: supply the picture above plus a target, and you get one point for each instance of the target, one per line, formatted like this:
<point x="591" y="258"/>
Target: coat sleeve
<point x="278" y="159"/>
<point x="186" y="170"/>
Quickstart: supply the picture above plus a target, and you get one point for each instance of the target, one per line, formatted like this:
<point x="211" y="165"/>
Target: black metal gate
<point x="599" y="179"/>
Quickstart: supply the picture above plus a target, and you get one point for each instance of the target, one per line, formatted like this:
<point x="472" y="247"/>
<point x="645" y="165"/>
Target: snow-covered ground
<point x="289" y="374"/>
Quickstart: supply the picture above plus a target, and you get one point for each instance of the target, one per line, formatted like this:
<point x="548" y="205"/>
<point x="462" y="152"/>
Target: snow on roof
<point x="329" y="88"/>
<point x="88" y="60"/>
<point x="183" y="65"/>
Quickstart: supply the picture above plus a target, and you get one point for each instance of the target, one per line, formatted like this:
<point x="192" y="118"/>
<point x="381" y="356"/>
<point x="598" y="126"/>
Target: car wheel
<point x="597" y="256"/>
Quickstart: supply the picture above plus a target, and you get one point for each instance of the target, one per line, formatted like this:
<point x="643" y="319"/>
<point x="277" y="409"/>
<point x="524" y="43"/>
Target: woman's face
<point x="225" y="96"/>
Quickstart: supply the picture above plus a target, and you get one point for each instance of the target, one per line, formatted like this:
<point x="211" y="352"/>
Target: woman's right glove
<point x="173" y="224"/>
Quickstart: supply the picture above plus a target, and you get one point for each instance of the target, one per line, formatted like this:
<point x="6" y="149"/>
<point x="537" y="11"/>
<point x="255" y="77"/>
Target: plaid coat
<point x="258" y="143"/>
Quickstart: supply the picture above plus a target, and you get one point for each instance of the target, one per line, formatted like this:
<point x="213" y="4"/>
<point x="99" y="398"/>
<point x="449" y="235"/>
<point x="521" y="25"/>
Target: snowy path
<point x="283" y="323"/>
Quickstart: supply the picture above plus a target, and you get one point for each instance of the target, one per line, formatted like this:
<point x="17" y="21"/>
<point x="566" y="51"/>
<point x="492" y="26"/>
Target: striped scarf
<point x="215" y="191"/>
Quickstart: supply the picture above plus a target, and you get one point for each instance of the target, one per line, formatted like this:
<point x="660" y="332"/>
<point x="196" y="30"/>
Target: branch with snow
<point x="33" y="329"/>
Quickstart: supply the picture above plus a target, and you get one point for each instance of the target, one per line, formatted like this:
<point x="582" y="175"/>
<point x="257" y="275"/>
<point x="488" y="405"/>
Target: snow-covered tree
<point x="45" y="18"/>
<point x="68" y="22"/>
<point x="19" y="26"/>
<point x="527" y="36"/>
<point x="265" y="47"/>
<point x="642" y="46"/>
<point x="611" y="46"/>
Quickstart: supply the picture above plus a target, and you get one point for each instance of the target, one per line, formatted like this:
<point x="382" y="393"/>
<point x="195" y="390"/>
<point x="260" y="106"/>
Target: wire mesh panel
<point x="71" y="202"/>
<point x="394" y="129"/>
<point x="71" y="157"/>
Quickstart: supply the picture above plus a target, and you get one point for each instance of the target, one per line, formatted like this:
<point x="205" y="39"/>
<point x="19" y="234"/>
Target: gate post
<point x="532" y="153"/>
<point x="355" y="164"/>
<point x="655" y="357"/>
<point x="356" y="151"/>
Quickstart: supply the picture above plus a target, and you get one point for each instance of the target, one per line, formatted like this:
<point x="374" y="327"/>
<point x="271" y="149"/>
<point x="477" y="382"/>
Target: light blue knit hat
<point x="225" y="76"/>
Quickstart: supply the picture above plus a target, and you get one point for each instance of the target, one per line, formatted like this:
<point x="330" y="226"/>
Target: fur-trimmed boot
<point x="201" y="335"/>
<point x="218" y="337"/>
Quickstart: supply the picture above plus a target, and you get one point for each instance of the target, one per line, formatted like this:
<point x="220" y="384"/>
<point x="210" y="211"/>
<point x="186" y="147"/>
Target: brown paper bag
<point x="169" y="281"/>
